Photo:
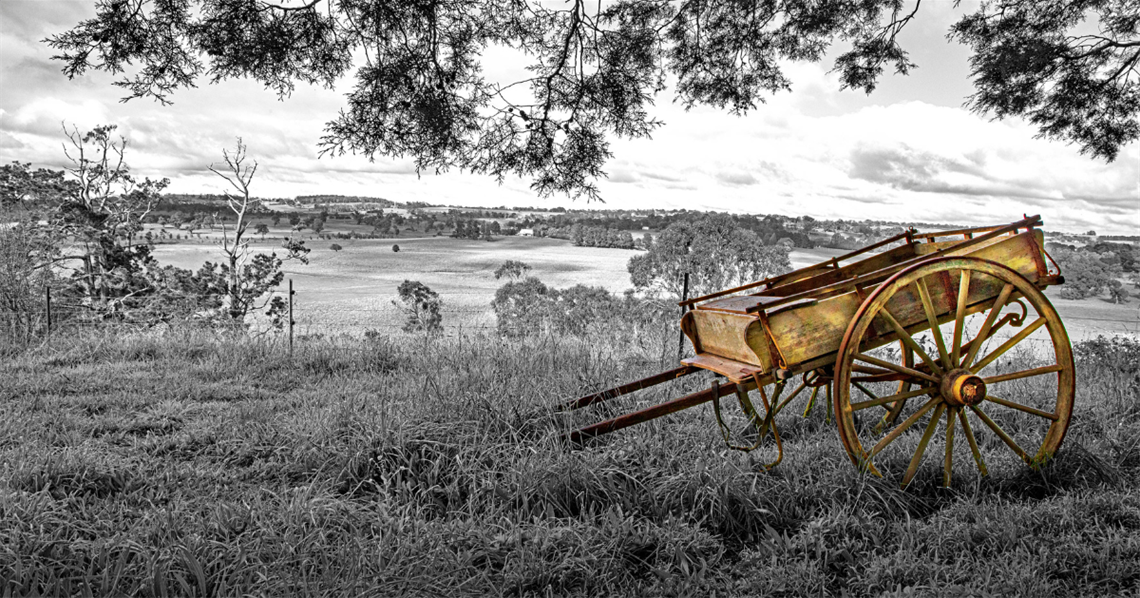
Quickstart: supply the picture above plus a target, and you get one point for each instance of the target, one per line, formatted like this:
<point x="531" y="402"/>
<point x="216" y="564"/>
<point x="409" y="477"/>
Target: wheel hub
<point x="962" y="387"/>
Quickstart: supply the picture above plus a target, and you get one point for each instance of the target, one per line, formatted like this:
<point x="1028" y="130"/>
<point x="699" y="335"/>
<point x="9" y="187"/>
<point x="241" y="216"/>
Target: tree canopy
<point x="595" y="69"/>
<point x="713" y="250"/>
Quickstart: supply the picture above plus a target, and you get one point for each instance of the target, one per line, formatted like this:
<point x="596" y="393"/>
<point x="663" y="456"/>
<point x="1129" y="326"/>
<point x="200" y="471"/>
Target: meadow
<point x="186" y="464"/>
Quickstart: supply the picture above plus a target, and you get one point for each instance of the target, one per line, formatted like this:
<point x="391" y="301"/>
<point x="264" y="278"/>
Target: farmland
<point x="351" y="290"/>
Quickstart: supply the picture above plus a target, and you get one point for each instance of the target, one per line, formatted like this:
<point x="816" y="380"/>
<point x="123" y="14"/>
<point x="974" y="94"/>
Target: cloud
<point x="622" y="176"/>
<point x="736" y="178"/>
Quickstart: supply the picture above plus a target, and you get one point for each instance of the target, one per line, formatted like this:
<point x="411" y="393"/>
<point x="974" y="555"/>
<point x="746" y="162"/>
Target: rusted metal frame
<point x="770" y="418"/>
<point x="1038" y="259"/>
<point x="880" y="275"/>
<point x="794" y="274"/>
<point x="773" y="348"/>
<point x="872" y="263"/>
<point x="644" y="415"/>
<point x="749" y="412"/>
<point x="624" y="389"/>
<point x="1028" y="221"/>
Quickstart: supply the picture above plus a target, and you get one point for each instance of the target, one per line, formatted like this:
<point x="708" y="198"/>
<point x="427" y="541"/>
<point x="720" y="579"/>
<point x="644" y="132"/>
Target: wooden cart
<point x="914" y="333"/>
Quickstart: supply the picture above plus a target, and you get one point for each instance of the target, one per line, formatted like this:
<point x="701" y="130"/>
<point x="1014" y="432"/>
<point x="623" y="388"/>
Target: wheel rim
<point x="1004" y="382"/>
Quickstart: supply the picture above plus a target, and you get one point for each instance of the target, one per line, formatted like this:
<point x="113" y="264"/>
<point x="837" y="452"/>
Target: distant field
<point x="351" y="290"/>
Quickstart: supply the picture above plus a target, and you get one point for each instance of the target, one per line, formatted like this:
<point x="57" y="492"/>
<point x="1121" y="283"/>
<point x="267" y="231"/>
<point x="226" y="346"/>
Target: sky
<point x="908" y="152"/>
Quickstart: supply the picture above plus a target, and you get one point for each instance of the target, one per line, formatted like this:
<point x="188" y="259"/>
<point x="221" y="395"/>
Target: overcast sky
<point x="910" y="151"/>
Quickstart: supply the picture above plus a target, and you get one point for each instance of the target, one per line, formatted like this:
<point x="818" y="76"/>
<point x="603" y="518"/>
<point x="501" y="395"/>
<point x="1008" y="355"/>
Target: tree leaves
<point x="595" y="70"/>
<point x="1029" y="61"/>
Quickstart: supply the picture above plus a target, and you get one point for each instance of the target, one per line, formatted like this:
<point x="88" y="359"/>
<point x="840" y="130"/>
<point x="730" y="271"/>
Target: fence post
<point x="291" y="322"/>
<point x="47" y="308"/>
<point x="684" y="297"/>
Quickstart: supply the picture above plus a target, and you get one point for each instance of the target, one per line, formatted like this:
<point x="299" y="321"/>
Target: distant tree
<point x="395" y="249"/>
<point x="421" y="305"/>
<point x="1117" y="292"/>
<point x="294" y="219"/>
<point x="1086" y="275"/>
<point x="335" y="247"/>
<point x="513" y="270"/>
<point x="276" y="218"/>
<point x="261" y="229"/>
<point x="715" y="252"/>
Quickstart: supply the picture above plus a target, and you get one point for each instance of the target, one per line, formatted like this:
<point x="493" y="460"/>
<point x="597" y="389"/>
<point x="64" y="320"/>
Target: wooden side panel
<point x="812" y="330"/>
<point x="738" y="337"/>
<point x="809" y="331"/>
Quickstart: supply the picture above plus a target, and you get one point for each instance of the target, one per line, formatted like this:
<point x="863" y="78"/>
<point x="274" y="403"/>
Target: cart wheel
<point x="1009" y="393"/>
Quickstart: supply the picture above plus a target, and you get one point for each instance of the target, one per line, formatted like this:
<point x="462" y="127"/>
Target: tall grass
<point x="187" y="464"/>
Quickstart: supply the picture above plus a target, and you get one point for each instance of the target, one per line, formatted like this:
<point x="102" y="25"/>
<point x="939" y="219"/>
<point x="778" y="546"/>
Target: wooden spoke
<point x="948" y="466"/>
<point x="1007" y="345"/>
<point x="908" y="422"/>
<point x="960" y="315"/>
<point x="932" y="319"/>
<point x="862" y="369"/>
<point x="1001" y="433"/>
<point x="1049" y="369"/>
<point x="795" y="393"/>
<point x="1020" y="407"/>
<point x="891" y="399"/>
<point x="894" y="366"/>
<point x="973" y="442"/>
<point x="917" y="458"/>
<point x="993" y="330"/>
<point x="984" y="333"/>
<point x="864" y="389"/>
<point x="909" y="341"/>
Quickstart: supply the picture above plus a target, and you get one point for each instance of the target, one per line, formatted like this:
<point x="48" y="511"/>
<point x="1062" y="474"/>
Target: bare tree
<point x="244" y="279"/>
<point x="239" y="175"/>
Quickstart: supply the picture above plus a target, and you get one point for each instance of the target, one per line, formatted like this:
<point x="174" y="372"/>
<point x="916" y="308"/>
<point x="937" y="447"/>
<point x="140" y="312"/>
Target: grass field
<point x="187" y="464"/>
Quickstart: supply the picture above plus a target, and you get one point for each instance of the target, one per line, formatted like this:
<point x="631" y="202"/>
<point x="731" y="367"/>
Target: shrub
<point x="395" y="249"/>
<point x="422" y="306"/>
<point x="512" y="269"/>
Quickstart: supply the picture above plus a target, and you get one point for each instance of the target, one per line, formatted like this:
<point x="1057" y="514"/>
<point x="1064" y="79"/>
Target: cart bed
<point x="795" y="322"/>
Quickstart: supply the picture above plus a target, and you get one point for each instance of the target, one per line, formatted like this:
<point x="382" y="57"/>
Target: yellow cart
<point x="944" y="333"/>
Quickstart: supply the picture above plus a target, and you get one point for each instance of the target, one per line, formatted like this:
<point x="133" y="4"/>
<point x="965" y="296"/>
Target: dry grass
<point x="190" y="465"/>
